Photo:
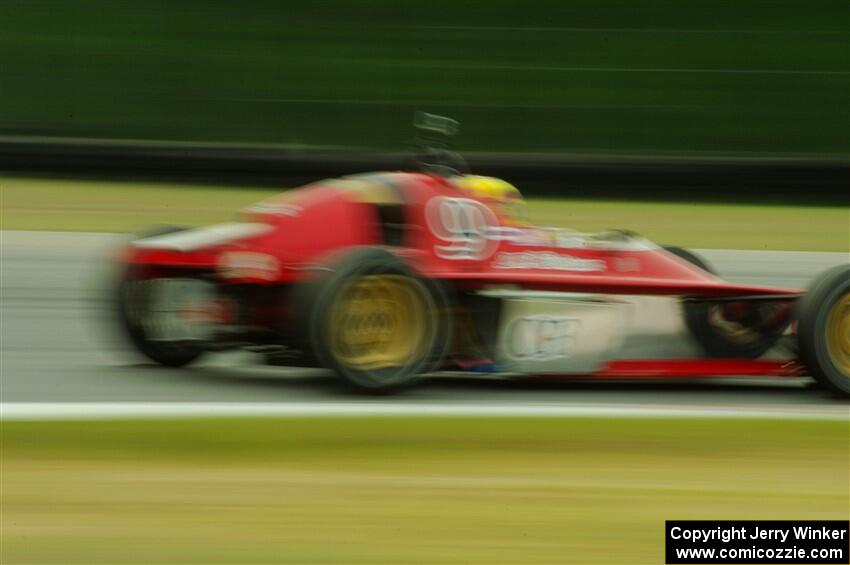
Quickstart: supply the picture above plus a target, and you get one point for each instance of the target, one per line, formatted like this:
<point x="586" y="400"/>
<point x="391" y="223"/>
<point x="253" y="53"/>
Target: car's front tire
<point x="731" y="329"/>
<point x="823" y="329"/>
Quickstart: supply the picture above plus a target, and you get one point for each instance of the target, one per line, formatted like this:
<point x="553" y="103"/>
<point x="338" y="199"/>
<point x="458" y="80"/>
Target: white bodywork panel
<point x="551" y="332"/>
<point x="194" y="239"/>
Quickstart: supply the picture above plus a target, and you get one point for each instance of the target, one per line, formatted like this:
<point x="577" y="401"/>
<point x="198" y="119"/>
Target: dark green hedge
<point x="601" y="76"/>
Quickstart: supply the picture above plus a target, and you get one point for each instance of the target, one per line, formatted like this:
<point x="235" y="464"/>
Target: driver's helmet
<point x="503" y="198"/>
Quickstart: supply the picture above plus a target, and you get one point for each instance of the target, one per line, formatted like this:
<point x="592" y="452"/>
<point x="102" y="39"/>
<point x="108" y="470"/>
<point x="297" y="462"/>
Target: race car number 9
<point x="463" y="226"/>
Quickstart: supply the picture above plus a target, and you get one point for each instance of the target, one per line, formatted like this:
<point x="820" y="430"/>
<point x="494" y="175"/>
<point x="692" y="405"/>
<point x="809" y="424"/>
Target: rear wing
<point x="432" y="145"/>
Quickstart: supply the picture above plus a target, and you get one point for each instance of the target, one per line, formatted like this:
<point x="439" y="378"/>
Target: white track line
<point x="134" y="410"/>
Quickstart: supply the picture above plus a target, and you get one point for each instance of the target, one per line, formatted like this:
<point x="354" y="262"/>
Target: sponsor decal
<point x="466" y="228"/>
<point x="547" y="261"/>
<point x="569" y="239"/>
<point x="530" y="237"/>
<point x="541" y="338"/>
<point x="248" y="265"/>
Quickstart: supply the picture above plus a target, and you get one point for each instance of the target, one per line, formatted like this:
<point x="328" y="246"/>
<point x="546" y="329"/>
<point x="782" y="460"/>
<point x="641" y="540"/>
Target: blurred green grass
<point x="401" y="490"/>
<point x="75" y="205"/>
<point x="601" y="76"/>
<point x="115" y="206"/>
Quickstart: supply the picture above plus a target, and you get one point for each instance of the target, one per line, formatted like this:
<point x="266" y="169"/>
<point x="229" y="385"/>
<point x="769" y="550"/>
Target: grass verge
<point x="401" y="490"/>
<point x="74" y="205"/>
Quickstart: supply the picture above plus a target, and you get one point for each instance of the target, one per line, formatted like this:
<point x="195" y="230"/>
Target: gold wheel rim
<point x="380" y="321"/>
<point x="838" y="334"/>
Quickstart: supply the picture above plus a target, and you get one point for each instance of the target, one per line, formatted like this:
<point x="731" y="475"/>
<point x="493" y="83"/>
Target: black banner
<point x="757" y="541"/>
<point x="757" y="180"/>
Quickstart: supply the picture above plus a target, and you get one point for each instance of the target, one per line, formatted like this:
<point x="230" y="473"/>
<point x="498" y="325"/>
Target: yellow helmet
<point x="488" y="187"/>
<point x="502" y="197"/>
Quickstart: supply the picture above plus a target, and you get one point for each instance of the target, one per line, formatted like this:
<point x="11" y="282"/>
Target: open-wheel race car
<point x="385" y="277"/>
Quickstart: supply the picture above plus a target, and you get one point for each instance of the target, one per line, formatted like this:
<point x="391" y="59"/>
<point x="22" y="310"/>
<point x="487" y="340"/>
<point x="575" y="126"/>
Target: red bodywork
<point x="445" y="234"/>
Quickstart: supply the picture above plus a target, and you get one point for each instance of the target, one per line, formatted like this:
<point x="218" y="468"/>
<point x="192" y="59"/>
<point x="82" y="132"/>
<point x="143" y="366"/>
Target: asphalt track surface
<point x="55" y="347"/>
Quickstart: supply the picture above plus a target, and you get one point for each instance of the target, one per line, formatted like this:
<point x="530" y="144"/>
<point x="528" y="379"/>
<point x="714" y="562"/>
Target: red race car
<point x="384" y="277"/>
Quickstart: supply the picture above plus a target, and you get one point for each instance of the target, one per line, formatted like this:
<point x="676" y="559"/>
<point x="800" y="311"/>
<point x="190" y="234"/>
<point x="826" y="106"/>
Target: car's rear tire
<point x="374" y="322"/>
<point x="823" y="329"/>
<point x="754" y="328"/>
<point x="132" y="305"/>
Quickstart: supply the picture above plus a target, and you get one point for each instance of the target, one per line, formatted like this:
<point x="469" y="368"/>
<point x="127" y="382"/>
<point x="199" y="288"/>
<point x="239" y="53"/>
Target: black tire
<point x="691" y="258"/>
<point x="824" y="347"/>
<point x="132" y="294"/>
<point x="749" y="337"/>
<point x="326" y="314"/>
<point x="133" y="302"/>
<point x="444" y="301"/>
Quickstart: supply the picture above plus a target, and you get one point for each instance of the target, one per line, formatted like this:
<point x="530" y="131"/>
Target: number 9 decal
<point x="464" y="227"/>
